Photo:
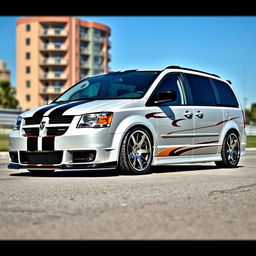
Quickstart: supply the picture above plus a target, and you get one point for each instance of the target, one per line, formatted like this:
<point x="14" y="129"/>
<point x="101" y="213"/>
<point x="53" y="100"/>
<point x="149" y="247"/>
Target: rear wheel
<point x="230" y="152"/>
<point x="136" y="152"/>
<point x="41" y="172"/>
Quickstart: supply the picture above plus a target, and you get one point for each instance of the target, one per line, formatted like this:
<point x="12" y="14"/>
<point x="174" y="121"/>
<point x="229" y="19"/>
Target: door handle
<point x="187" y="114"/>
<point x="199" y="114"/>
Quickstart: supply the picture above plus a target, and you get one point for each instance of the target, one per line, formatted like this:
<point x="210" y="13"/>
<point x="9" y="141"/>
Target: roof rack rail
<point x="190" y="69"/>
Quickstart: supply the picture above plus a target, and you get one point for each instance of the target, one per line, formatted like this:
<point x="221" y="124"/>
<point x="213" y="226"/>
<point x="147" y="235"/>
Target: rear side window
<point x="226" y="95"/>
<point x="201" y="90"/>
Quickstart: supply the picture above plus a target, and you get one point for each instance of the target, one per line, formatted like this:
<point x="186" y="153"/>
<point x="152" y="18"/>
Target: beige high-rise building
<point x="4" y="72"/>
<point x="53" y="53"/>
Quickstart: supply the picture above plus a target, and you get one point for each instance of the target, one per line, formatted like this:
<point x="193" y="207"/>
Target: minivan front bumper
<point x="80" y="149"/>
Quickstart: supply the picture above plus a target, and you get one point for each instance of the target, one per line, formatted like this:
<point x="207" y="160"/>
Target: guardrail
<point x="250" y="130"/>
<point x="8" y="116"/>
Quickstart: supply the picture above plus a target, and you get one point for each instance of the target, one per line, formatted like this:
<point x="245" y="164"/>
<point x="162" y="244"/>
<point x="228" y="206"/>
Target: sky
<point x="225" y="46"/>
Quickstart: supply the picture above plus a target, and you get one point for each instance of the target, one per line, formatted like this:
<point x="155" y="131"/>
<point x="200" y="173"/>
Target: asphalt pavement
<point x="197" y="201"/>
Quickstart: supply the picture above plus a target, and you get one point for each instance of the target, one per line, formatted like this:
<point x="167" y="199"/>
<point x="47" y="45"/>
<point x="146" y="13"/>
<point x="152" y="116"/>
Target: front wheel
<point x="230" y="152"/>
<point x="136" y="152"/>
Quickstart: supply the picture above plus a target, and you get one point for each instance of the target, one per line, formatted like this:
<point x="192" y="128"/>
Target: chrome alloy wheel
<point x="139" y="150"/>
<point x="232" y="149"/>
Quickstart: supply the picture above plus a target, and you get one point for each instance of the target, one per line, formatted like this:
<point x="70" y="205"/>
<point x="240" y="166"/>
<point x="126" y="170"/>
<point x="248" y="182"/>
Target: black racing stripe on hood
<point x="59" y="111"/>
<point x="42" y="111"/>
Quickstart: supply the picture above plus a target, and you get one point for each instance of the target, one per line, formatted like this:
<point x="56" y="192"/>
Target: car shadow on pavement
<point x="187" y="168"/>
<point x="80" y="173"/>
<point x="114" y="172"/>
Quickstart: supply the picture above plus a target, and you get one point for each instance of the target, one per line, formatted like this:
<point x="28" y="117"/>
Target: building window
<point x="27" y="69"/>
<point x="28" y="84"/>
<point x="27" y="41"/>
<point x="28" y="55"/>
<point x="28" y="97"/>
<point x="28" y="27"/>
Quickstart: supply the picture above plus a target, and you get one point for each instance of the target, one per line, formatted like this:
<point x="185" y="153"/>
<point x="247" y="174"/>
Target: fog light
<point x="84" y="156"/>
<point x="90" y="157"/>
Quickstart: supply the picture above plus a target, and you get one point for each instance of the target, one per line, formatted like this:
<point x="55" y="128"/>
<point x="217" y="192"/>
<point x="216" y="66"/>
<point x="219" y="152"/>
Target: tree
<point x="7" y="95"/>
<point x="253" y="112"/>
<point x="248" y="115"/>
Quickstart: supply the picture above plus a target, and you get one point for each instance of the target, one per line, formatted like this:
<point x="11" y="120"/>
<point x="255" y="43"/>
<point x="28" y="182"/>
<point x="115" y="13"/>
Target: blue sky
<point x="217" y="44"/>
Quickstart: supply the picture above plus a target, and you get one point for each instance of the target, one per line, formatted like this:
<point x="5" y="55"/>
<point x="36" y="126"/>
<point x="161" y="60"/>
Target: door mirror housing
<point x="166" y="96"/>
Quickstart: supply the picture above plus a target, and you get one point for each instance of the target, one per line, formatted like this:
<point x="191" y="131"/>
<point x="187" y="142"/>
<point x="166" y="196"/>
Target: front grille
<point x="61" y="119"/>
<point x="41" y="157"/>
<point x="53" y="120"/>
<point x="33" y="120"/>
<point x="56" y="131"/>
<point x="31" y="131"/>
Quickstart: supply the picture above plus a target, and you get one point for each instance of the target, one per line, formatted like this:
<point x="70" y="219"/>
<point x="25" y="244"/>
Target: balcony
<point x="84" y="50"/>
<point x="84" y="64"/>
<point x="52" y="89"/>
<point x="54" y="61"/>
<point x="98" y="39"/>
<point x="98" y="66"/>
<point x="98" y="53"/>
<point x="56" y="32"/>
<point x="84" y="37"/>
<point x="53" y="47"/>
<point x="53" y="76"/>
<point x="109" y="44"/>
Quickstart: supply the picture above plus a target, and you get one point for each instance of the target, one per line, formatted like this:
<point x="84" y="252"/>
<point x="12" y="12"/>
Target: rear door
<point x="208" y="117"/>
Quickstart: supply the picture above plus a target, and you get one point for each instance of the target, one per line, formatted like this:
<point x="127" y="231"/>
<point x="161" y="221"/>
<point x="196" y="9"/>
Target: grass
<point x="250" y="142"/>
<point x="4" y="142"/>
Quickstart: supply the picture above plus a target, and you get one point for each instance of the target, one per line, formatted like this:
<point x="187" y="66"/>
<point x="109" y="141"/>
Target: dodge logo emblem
<point x="42" y="125"/>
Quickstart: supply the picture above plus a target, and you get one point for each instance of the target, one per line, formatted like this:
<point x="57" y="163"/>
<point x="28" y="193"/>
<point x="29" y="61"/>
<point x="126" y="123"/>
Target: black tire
<point x="41" y="172"/>
<point x="136" y="152"/>
<point x="230" y="152"/>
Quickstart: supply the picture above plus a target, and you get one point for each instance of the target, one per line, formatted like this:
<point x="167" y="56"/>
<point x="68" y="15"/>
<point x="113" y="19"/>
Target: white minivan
<point x="132" y="120"/>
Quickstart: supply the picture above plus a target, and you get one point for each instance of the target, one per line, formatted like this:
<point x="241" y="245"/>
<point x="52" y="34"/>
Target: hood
<point x="74" y="108"/>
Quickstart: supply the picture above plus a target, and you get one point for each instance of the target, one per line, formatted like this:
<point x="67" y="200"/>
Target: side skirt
<point x="186" y="159"/>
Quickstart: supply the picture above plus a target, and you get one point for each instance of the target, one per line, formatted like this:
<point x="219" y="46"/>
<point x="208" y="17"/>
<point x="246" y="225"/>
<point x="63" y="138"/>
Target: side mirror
<point x="166" y="96"/>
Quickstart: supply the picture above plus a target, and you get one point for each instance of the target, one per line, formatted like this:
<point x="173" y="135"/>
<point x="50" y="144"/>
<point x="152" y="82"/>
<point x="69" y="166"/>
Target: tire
<point x="230" y="152"/>
<point x="136" y="153"/>
<point x="41" y="172"/>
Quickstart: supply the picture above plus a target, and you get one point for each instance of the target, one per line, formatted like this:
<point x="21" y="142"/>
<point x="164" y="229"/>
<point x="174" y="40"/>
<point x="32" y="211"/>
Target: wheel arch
<point x="129" y="123"/>
<point x="231" y="125"/>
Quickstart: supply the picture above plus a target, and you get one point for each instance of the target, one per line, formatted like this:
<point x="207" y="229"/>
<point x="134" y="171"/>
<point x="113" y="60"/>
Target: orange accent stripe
<point x="167" y="151"/>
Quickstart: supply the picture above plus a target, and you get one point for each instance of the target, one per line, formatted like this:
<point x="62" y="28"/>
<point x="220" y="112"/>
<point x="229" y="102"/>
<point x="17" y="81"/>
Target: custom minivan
<point x="133" y="120"/>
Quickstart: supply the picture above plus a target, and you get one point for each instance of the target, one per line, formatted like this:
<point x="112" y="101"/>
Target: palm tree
<point x="7" y="95"/>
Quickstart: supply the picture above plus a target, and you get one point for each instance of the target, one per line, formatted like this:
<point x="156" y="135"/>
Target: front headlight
<point x="17" y="123"/>
<point x="95" y="120"/>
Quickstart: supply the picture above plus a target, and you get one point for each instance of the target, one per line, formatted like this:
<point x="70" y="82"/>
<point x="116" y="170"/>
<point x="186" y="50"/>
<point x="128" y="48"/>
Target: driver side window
<point x="170" y="82"/>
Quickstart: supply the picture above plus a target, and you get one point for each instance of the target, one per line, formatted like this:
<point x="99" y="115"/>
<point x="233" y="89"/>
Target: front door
<point x="174" y="119"/>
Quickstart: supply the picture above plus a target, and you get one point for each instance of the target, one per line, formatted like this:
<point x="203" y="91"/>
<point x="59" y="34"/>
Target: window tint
<point x="226" y="95"/>
<point x="170" y="82"/>
<point x="201" y="90"/>
<point x="129" y="84"/>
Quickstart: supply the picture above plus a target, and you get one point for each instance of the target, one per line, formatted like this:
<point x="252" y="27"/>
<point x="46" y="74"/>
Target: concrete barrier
<point x="8" y="116"/>
<point x="250" y="130"/>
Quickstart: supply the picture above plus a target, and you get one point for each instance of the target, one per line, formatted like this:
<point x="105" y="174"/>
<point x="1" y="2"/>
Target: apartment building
<point x="53" y="53"/>
<point x="4" y="72"/>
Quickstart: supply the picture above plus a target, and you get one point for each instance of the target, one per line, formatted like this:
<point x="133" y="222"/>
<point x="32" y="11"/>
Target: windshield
<point x="115" y="85"/>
